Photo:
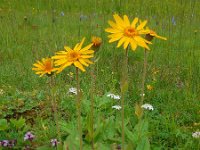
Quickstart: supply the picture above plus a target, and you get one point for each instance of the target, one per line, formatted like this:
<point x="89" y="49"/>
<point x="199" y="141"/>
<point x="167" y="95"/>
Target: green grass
<point x="45" y="31"/>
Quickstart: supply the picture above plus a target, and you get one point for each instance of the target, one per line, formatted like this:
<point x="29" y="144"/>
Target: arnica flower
<point x="153" y="34"/>
<point x="96" y="41"/>
<point x="128" y="33"/>
<point x="46" y="66"/>
<point x="147" y="106"/>
<point x="77" y="56"/>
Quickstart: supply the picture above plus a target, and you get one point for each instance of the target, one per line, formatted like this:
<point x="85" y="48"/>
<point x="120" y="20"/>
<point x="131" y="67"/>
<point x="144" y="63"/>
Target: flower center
<point x="73" y="56"/>
<point x="129" y="31"/>
<point x="48" y="65"/>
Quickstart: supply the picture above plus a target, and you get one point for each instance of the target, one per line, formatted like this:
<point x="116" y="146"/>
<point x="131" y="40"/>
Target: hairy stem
<point x="144" y="76"/>
<point x="79" y="109"/>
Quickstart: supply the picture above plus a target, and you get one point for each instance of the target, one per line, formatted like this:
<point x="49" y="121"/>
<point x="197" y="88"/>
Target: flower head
<point x="46" y="66"/>
<point x="73" y="90"/>
<point x="147" y="106"/>
<point x="153" y="34"/>
<point x="4" y="143"/>
<point x="113" y="96"/>
<point x="127" y="33"/>
<point x="196" y="134"/>
<point x="116" y="107"/>
<point x="96" y="41"/>
<point x="54" y="142"/>
<point x="77" y="56"/>
<point x="29" y="136"/>
<point x="149" y="87"/>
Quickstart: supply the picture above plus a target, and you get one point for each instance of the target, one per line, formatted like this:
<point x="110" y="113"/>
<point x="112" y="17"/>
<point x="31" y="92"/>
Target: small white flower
<point x="113" y="96"/>
<point x="116" y="107"/>
<point x="142" y="94"/>
<point x="1" y="92"/>
<point x="196" y="134"/>
<point x="73" y="90"/>
<point x="147" y="106"/>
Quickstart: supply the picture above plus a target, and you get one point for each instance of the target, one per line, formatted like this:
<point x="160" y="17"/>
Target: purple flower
<point x="29" y="136"/>
<point x="62" y="13"/>
<point x="4" y="143"/>
<point x="54" y="142"/>
<point x="173" y="21"/>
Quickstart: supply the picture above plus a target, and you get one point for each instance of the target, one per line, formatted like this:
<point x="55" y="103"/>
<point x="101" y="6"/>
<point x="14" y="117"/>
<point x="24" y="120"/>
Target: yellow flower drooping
<point x="128" y="33"/>
<point x="153" y="34"/>
<point x="96" y="41"/>
<point x="46" y="66"/>
<point x="77" y="56"/>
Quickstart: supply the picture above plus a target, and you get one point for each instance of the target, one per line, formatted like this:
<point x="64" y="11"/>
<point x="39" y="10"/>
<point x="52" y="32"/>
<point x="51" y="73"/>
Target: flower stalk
<point x="124" y="88"/>
<point x="79" y="109"/>
<point x="54" y="105"/>
<point x="144" y="76"/>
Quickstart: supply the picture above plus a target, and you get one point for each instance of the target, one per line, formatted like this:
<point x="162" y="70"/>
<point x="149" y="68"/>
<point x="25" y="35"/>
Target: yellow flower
<point x="127" y="32"/>
<point x="77" y="56"/>
<point x="96" y="41"/>
<point x="153" y="34"/>
<point x="46" y="66"/>
<point x="149" y="87"/>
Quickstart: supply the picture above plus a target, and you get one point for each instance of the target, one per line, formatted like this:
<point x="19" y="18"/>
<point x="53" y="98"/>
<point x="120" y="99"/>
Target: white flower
<point x="142" y="94"/>
<point x="196" y="134"/>
<point x="1" y="92"/>
<point x="73" y="90"/>
<point x="116" y="107"/>
<point x="147" y="106"/>
<point x="113" y="96"/>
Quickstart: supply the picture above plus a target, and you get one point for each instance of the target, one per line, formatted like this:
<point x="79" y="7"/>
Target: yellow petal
<point x="112" y="30"/>
<point x="67" y="48"/>
<point x="88" y="61"/>
<point x="119" y="20"/>
<point x="133" y="45"/>
<point x="134" y="22"/>
<point x="80" y="45"/>
<point x="79" y="65"/>
<point x="141" y="42"/>
<point x="83" y="62"/>
<point x="87" y="52"/>
<point x="121" y="41"/>
<point x="126" y="20"/>
<point x="60" y="62"/>
<point x="114" y="39"/>
<point x="87" y="56"/>
<point x="86" y="48"/>
<point x="141" y="26"/>
<point x="126" y="43"/>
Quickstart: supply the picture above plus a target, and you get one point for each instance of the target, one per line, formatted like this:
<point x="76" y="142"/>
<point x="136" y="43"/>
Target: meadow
<point x="44" y="107"/>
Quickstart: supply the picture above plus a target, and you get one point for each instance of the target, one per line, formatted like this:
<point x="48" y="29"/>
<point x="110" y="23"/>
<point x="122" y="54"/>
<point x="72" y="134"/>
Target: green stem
<point x="79" y="109"/>
<point x="54" y="107"/>
<point x="144" y="76"/>
<point x="123" y="92"/>
<point x="92" y="110"/>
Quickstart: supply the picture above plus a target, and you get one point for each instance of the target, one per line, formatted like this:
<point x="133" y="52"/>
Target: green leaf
<point x="18" y="123"/>
<point x="143" y="144"/>
<point x="3" y="124"/>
